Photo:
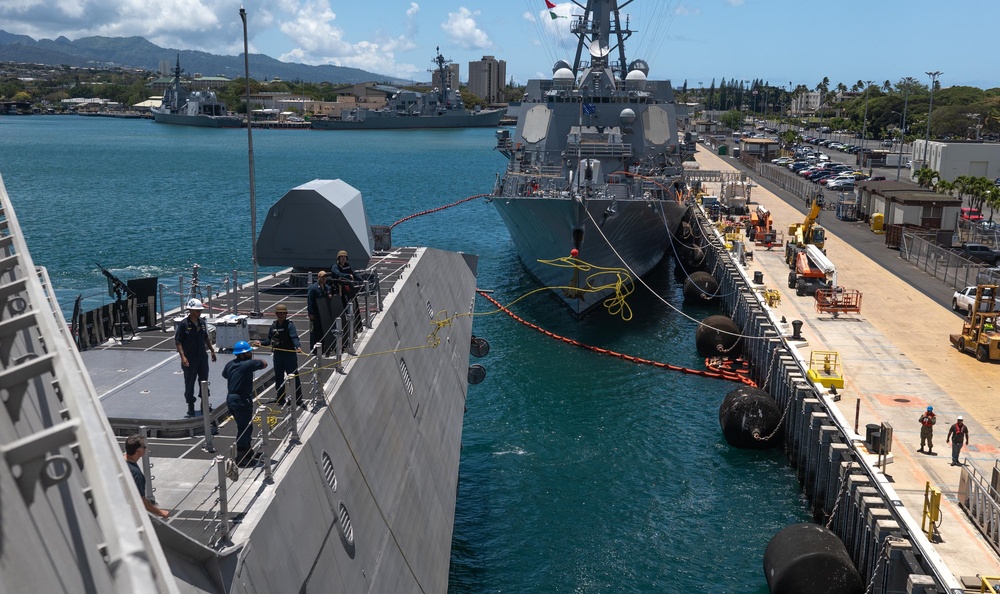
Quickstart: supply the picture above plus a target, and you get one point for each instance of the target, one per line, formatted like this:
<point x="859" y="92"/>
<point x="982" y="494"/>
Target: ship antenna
<point x="253" y="193"/>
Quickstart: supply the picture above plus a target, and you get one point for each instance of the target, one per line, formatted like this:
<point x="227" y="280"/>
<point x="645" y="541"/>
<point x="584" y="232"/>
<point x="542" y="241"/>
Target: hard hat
<point x="960" y="417"/>
<point x="342" y="253"/>
<point x="930" y="409"/>
<point x="195" y="304"/>
<point x="281" y="307"/>
<point x="242" y="347"/>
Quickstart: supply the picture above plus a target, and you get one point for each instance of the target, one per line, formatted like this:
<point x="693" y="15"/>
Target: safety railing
<point x="981" y="502"/>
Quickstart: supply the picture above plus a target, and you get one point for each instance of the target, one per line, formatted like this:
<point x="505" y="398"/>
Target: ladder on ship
<point x="54" y="434"/>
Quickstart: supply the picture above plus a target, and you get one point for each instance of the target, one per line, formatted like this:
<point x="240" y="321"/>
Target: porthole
<point x="328" y="472"/>
<point x="344" y="525"/>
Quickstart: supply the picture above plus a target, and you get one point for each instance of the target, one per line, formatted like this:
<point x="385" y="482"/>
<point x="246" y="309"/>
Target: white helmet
<point x="195" y="304"/>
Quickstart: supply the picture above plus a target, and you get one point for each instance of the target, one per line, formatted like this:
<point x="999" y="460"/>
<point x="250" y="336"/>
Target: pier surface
<point x="897" y="360"/>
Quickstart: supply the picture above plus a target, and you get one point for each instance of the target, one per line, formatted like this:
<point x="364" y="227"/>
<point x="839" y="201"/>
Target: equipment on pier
<point x="811" y="271"/>
<point x="807" y="232"/>
<point x="980" y="336"/>
<point x="824" y="369"/>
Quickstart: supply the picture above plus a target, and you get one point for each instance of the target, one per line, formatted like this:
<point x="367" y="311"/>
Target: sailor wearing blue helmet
<point x="239" y="373"/>
<point x="927" y="421"/>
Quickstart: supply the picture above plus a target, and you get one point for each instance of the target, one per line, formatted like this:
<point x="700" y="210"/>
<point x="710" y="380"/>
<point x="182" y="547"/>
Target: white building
<point x="954" y="158"/>
<point x="487" y="79"/>
<point x="806" y="103"/>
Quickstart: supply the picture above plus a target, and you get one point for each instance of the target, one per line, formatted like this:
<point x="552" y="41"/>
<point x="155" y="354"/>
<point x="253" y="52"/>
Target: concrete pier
<point x="896" y="360"/>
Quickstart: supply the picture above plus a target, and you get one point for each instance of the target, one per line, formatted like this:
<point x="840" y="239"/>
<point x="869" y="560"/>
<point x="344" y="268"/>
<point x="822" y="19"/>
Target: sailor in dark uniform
<point x="239" y="373"/>
<point x="283" y="339"/>
<point x="193" y="345"/>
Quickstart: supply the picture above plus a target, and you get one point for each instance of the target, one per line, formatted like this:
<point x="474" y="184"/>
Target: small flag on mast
<point x="549" y="5"/>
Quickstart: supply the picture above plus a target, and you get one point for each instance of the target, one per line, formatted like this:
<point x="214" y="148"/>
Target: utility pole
<point x="907" y="82"/>
<point x="927" y="138"/>
<point x="864" y="126"/>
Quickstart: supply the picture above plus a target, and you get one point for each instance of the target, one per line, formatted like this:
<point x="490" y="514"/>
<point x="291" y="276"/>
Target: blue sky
<point x="779" y="41"/>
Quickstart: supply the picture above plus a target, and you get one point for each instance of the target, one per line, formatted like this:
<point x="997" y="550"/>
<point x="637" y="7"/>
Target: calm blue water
<point x="579" y="473"/>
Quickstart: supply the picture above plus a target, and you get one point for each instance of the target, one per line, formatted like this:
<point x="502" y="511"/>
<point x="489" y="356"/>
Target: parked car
<point x="841" y="184"/>
<point x="970" y="214"/>
<point x="980" y="253"/>
<point x="781" y="161"/>
<point x="963" y="299"/>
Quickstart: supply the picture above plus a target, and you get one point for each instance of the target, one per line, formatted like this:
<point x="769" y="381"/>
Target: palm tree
<point x="887" y="86"/>
<point x="993" y="199"/>
<point x="962" y="185"/>
<point x="979" y="187"/>
<point x="945" y="187"/>
<point x="926" y="176"/>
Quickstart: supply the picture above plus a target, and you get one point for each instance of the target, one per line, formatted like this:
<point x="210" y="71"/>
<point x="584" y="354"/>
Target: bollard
<point x="206" y="418"/>
<point x="796" y="329"/>
<point x="265" y="433"/>
<point x="147" y="465"/>
<point x="220" y="462"/>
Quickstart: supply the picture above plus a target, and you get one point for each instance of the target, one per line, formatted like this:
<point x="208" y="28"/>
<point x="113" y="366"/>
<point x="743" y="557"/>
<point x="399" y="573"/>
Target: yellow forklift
<point x="980" y="335"/>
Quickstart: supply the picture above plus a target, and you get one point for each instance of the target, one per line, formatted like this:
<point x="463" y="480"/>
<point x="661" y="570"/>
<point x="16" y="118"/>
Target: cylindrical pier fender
<point x="809" y="558"/>
<point x="717" y="335"/>
<point x="691" y="257"/>
<point x="700" y="287"/>
<point x="749" y="415"/>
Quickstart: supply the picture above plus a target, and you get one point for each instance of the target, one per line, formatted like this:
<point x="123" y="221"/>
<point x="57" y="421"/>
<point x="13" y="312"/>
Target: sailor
<point x="345" y="277"/>
<point x="283" y="339"/>
<point x="958" y="435"/>
<point x="193" y="344"/>
<point x="135" y="448"/>
<point x="927" y="421"/>
<point x="239" y="373"/>
<point x="316" y="297"/>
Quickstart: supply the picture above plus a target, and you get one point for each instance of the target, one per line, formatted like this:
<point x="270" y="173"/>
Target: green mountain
<point x="137" y="52"/>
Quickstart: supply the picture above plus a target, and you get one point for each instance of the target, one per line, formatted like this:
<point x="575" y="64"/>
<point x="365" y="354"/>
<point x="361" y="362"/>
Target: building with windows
<point x="487" y="78"/>
<point x="954" y="158"/>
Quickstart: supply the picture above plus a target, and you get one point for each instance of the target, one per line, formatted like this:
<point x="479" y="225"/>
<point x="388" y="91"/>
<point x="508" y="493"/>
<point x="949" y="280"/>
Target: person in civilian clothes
<point x="239" y="373"/>
<point x="958" y="435"/>
<point x="283" y="339"/>
<point x="135" y="447"/>
<point x="193" y="345"/>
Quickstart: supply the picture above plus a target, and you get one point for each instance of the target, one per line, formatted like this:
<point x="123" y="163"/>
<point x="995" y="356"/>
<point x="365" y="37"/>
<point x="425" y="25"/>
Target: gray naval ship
<point x="355" y="492"/>
<point x="443" y="108"/>
<point x="193" y="108"/>
<point x="592" y="190"/>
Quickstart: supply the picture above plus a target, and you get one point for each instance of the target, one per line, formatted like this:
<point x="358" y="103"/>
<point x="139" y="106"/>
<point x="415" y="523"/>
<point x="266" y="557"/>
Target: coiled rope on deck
<point x="718" y="374"/>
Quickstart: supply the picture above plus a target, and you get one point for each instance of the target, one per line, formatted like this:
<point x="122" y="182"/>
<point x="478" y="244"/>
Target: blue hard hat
<point x="930" y="408"/>
<point x="242" y="347"/>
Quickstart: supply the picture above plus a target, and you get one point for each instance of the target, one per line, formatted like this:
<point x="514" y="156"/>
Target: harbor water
<point x="579" y="472"/>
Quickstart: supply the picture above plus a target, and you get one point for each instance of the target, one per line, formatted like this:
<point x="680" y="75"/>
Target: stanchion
<point x="265" y="433"/>
<point x="147" y="466"/>
<point x="338" y="337"/>
<point x="206" y="418"/>
<point x="163" y="315"/>
<point x="220" y="463"/>
<point x="236" y="295"/>
<point x="317" y="361"/>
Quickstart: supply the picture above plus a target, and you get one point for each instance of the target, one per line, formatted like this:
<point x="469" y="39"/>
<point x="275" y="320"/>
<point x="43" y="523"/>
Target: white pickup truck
<point x="963" y="300"/>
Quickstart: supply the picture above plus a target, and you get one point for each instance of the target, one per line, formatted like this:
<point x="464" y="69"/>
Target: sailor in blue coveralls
<point x="239" y="373"/>
<point x="283" y="339"/>
<point x="192" y="342"/>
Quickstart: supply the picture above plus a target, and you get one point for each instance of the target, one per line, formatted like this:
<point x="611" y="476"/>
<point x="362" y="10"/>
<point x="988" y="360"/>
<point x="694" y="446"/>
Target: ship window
<point x="328" y="471"/>
<point x="404" y="373"/>
<point x="430" y="311"/>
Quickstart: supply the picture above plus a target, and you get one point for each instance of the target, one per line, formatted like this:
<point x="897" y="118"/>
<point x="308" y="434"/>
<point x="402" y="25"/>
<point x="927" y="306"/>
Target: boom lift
<point x="811" y="271"/>
<point x="979" y="335"/>
<point x="807" y="232"/>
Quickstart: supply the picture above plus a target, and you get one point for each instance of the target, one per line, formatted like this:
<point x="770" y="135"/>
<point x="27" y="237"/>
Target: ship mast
<point x="442" y="76"/>
<point x="600" y="21"/>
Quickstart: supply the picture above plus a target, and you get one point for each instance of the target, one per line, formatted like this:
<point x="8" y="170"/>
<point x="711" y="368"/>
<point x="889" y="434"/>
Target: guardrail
<point x="939" y="262"/>
<point x="981" y="502"/>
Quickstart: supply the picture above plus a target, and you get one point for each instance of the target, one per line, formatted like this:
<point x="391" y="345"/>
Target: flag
<point x="555" y="16"/>
<point x="549" y="5"/>
<point x="589" y="108"/>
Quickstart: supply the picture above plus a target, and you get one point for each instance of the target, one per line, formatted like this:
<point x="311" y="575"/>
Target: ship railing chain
<point x="781" y="421"/>
<point x="882" y="556"/>
<point x="770" y="369"/>
<point x="840" y="494"/>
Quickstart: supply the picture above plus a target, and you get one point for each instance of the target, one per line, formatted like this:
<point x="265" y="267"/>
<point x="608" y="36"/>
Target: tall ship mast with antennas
<point x="594" y="170"/>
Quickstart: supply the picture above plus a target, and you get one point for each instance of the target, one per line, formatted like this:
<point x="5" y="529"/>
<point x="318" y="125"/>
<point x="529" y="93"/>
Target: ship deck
<point x="140" y="385"/>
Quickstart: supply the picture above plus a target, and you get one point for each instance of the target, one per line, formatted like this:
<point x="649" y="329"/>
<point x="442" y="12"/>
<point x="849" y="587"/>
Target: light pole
<point x="864" y="125"/>
<point x="906" y="82"/>
<point x="978" y="119"/>
<point x="927" y="138"/>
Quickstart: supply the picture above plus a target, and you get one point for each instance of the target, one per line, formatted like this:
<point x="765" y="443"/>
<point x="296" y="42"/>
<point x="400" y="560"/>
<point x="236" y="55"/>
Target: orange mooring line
<point x="415" y="215"/>
<point x="731" y="376"/>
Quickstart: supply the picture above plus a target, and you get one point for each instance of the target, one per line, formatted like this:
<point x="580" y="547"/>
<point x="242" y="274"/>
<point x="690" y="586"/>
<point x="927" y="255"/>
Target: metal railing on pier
<point x="981" y="501"/>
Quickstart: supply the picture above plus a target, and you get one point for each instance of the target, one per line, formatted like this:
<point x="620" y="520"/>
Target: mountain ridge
<point x="138" y="52"/>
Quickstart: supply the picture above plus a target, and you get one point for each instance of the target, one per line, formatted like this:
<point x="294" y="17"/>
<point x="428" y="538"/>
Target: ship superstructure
<point x="594" y="166"/>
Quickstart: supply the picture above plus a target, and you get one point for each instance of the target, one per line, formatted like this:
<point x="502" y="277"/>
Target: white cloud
<point x="735" y="2"/>
<point x="529" y="17"/>
<point x="559" y="27"/>
<point x="413" y="10"/>
<point x="461" y="27"/>
<point x="686" y="11"/>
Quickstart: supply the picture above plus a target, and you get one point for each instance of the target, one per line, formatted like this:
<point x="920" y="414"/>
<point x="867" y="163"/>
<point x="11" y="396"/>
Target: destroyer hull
<point x="398" y="122"/>
<point x="203" y="121"/>
<point x="543" y="229"/>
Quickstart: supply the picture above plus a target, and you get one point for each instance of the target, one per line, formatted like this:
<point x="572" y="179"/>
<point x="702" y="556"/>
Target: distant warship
<point x="193" y="108"/>
<point x="595" y="166"/>
<point x="411" y="110"/>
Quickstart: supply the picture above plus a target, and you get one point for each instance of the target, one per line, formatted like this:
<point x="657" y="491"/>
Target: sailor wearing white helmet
<point x="958" y="436"/>
<point x="193" y="345"/>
